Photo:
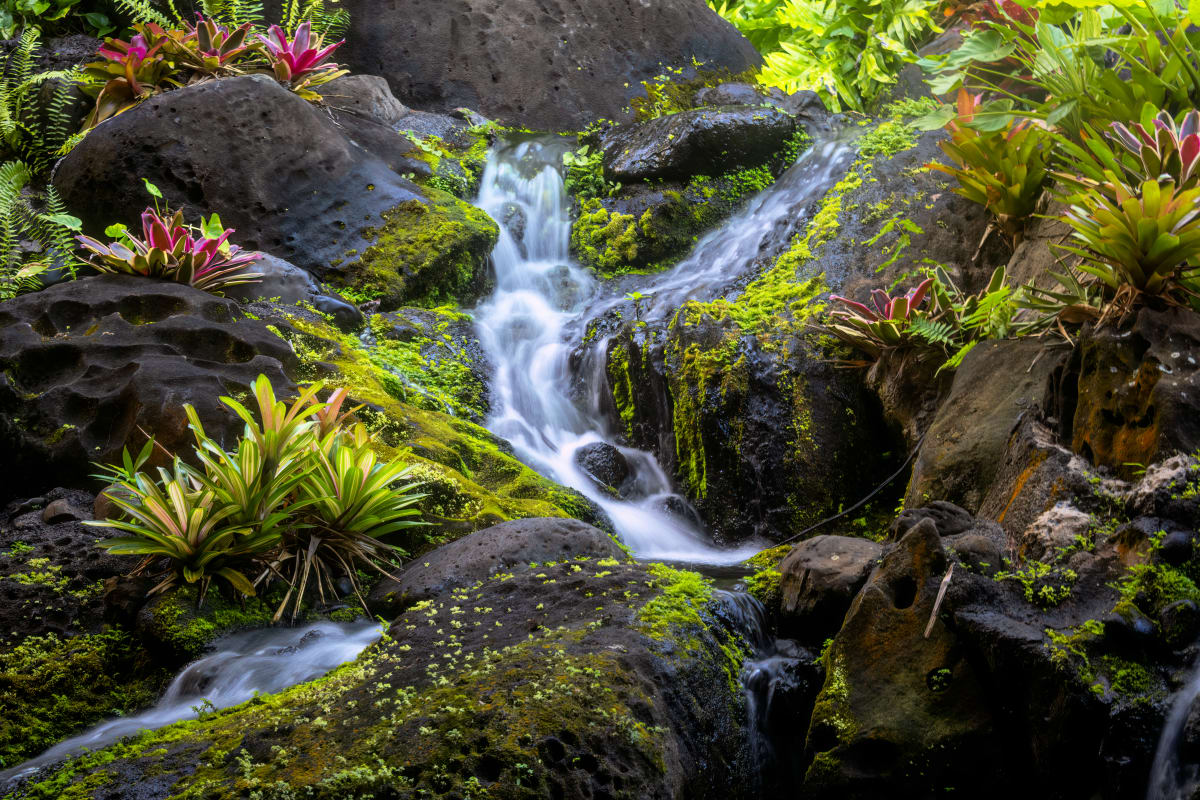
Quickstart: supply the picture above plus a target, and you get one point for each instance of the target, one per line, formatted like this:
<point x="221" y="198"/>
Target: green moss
<point x="456" y="167"/>
<point x="176" y="621"/>
<point x="52" y="687"/>
<point x="604" y="240"/>
<point x="425" y="253"/>
<point x="470" y="481"/>
<point x="765" y="586"/>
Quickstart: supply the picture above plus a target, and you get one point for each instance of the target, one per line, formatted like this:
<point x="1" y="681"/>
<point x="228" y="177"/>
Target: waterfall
<point x="543" y="300"/>
<point x="1174" y="775"/>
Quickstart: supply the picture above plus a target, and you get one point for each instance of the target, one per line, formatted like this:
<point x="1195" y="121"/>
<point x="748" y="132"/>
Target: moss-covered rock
<point x="426" y="252"/>
<point x="469" y="475"/>
<point x="562" y="680"/>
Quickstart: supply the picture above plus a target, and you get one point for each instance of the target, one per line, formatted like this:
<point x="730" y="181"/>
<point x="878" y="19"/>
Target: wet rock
<point x="514" y="221"/>
<point x="1057" y="529"/>
<point x="365" y="96"/>
<point x="282" y="281"/>
<point x="820" y="578"/>
<point x="979" y="552"/>
<point x="61" y="510"/>
<point x="345" y="315"/>
<point x="1180" y="623"/>
<point x="685" y="144"/>
<point x="547" y="66"/>
<point x="487" y="552"/>
<point x="603" y="463"/>
<point x="965" y="447"/>
<point x="90" y="364"/>
<point x="293" y="184"/>
<point x="730" y="94"/>
<point x="1139" y="391"/>
<point x="1159" y="489"/>
<point x="547" y="672"/>
<point x="1177" y="547"/>
<point x="948" y="518"/>
<point x="713" y="403"/>
<point x="894" y="698"/>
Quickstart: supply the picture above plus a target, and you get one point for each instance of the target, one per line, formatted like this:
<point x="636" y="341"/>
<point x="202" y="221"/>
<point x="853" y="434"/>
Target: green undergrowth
<point x="175" y="620"/>
<point x="470" y="481"/>
<point x="436" y="370"/>
<point x="462" y="698"/>
<point x="456" y="168"/>
<point x="53" y="687"/>
<point x="674" y="89"/>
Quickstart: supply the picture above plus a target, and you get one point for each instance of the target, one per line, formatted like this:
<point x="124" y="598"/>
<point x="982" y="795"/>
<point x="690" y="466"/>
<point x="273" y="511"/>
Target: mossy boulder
<point x="427" y="251"/>
<point x="764" y="435"/>
<point x="577" y="679"/>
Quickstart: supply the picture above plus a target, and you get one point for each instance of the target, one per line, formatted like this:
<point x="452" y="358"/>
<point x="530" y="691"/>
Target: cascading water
<point x="1173" y="775"/>
<point x="543" y="301"/>
<point x="243" y="665"/>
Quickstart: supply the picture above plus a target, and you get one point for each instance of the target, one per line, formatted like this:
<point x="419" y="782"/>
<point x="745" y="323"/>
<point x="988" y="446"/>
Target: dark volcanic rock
<point x="281" y="281"/>
<point x="966" y="444"/>
<point x="289" y="180"/>
<point x="87" y="363"/>
<point x="820" y="578"/>
<point x="603" y="463"/>
<point x="544" y="64"/>
<point x="486" y="552"/>
<point x="690" y="142"/>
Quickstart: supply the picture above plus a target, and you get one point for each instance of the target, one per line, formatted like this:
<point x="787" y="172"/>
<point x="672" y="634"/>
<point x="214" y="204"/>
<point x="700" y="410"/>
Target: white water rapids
<point x="543" y="301"/>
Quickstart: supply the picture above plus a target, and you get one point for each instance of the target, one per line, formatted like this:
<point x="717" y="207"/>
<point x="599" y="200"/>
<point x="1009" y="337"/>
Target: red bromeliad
<point x="170" y="249"/>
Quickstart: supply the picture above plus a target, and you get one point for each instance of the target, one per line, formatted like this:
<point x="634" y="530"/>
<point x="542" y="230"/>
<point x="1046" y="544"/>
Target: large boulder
<point x="556" y="65"/>
<point x="820" y="578"/>
<point x="998" y="384"/>
<point x="90" y="364"/>
<point x="688" y="143"/>
<point x="1139" y="391"/>
<point x="290" y="181"/>
<point x="484" y="553"/>
<point x="577" y="680"/>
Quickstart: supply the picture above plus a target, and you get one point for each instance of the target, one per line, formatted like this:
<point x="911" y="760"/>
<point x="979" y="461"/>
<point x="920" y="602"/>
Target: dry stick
<point x="938" y="603"/>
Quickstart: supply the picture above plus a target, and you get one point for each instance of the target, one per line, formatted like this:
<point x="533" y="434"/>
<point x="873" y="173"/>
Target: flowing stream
<point x="242" y="665"/>
<point x="543" y="302"/>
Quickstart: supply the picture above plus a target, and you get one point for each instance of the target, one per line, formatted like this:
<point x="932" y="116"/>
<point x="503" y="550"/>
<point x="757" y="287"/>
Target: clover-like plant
<point x="301" y="62"/>
<point x="130" y="72"/>
<point x="1004" y="170"/>
<point x="173" y="251"/>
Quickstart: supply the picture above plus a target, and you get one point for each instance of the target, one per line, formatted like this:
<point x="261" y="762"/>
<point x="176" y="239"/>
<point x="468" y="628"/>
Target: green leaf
<point x="152" y="189"/>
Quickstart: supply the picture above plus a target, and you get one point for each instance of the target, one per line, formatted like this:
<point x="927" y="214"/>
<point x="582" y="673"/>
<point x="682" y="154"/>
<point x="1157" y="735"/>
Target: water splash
<point x="243" y="665"/>
<point x="1174" y="776"/>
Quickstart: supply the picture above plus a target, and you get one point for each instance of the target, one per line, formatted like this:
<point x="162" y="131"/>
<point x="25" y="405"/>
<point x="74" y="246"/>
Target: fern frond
<point x="932" y="331"/>
<point x="143" y="11"/>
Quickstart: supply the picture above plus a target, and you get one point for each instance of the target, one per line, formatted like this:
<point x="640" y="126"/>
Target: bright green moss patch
<point x="425" y="253"/>
<point x="52" y="688"/>
<point x="457" y="166"/>
<point x="177" y="622"/>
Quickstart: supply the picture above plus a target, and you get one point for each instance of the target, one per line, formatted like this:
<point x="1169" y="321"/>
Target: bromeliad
<point x="301" y="63"/>
<point x="874" y="330"/>
<point x="171" y="250"/>
<point x="130" y="72"/>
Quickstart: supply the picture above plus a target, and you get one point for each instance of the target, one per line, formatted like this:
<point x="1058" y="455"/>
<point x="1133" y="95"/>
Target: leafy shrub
<point x="302" y="496"/>
<point x="882" y="327"/>
<point x="35" y="136"/>
<point x="849" y="50"/>
<point x="48" y="227"/>
<point x="1003" y="170"/>
<point x="173" y="251"/>
<point x="585" y="173"/>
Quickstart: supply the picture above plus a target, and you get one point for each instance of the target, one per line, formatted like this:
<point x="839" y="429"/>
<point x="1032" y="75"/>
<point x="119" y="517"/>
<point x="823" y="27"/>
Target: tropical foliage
<point x="171" y="250"/>
<point x="849" y="51"/>
<point x="302" y="498"/>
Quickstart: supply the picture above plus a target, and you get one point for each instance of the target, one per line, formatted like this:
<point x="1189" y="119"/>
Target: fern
<point x="52" y="229"/>
<point x="932" y="331"/>
<point x="34" y="134"/>
<point x="14" y="177"/>
<point x="144" y="11"/>
<point x="328" y="22"/>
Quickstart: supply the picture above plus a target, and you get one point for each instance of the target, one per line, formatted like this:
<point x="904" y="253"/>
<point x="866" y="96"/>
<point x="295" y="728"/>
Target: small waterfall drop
<point x="242" y="666"/>
<point x="1175" y="773"/>
<point x="543" y="301"/>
